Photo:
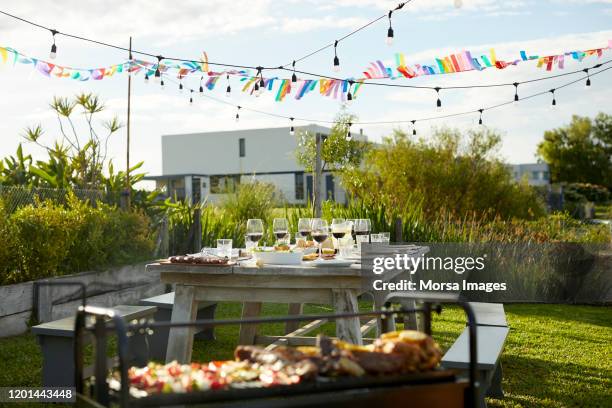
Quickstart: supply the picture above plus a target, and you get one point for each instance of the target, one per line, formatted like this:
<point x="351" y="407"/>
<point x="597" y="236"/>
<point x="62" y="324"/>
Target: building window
<point x="241" y="147"/>
<point x="534" y="175"/>
<point x="224" y="184"/>
<point x="299" y="186"/>
<point x="545" y="175"/>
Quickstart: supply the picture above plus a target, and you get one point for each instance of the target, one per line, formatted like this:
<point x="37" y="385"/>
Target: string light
<point x="349" y="95"/>
<point x="390" y="31"/>
<point x="201" y="85"/>
<point x="480" y="119"/>
<point x="413" y="127"/>
<point x="238" y="113"/>
<point x="336" y="59"/>
<point x="191" y="97"/>
<point x="53" y="52"/>
<point x="181" y="83"/>
<point x="516" y="97"/>
<point x="554" y="101"/>
<point x="294" y="76"/>
<point x="146" y="77"/>
<point x="161" y="82"/>
<point x="291" y="129"/>
<point x="348" y="131"/>
<point x="157" y="70"/>
<point x="228" y="91"/>
<point x="588" y="81"/>
<point x="439" y="101"/>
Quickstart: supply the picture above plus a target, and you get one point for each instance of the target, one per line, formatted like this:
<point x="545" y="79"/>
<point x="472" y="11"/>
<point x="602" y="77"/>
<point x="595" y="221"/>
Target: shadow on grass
<point x="562" y="313"/>
<point x="526" y="377"/>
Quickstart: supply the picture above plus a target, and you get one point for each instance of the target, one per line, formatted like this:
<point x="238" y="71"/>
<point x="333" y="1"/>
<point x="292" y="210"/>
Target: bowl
<point x="279" y="258"/>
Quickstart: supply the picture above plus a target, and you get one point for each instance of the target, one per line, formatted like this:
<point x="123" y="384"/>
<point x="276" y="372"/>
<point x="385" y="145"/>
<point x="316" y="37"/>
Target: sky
<point x="272" y="33"/>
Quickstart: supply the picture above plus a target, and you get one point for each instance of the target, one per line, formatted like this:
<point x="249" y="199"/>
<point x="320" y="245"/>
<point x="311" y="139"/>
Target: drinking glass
<point x="375" y="238"/>
<point x="338" y="229"/>
<point x="248" y="244"/>
<point x="255" y="230"/>
<point x="362" y="229"/>
<point x="352" y="223"/>
<point x="385" y="237"/>
<point x="280" y="226"/>
<point x="304" y="228"/>
<point x="224" y="248"/>
<point x="320" y="233"/>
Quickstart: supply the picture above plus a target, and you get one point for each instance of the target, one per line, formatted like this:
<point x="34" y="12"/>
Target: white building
<point x="205" y="165"/>
<point x="537" y="174"/>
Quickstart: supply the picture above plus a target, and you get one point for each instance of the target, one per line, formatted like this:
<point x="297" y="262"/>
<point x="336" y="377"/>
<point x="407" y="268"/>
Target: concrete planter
<point x="121" y="285"/>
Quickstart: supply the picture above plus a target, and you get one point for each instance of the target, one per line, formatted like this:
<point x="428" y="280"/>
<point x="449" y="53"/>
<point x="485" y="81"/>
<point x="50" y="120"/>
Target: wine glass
<point x="255" y="230"/>
<point x="280" y="226"/>
<point x="304" y="227"/>
<point x="353" y="222"/>
<point x="320" y="232"/>
<point x="362" y="229"/>
<point x="338" y="228"/>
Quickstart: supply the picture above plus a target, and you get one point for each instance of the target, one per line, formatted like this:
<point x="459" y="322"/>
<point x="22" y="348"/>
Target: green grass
<point x="555" y="355"/>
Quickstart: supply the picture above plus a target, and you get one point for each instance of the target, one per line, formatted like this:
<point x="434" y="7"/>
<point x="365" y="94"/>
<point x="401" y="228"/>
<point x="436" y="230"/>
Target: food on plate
<point x="395" y="353"/>
<point x="282" y="248"/>
<point x="302" y="243"/>
<point x="198" y="260"/>
<point x="310" y="257"/>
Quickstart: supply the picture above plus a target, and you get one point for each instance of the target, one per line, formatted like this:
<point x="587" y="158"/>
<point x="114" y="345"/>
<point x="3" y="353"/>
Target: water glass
<point x="376" y="238"/>
<point x="224" y="248"/>
<point x="249" y="245"/>
<point x="385" y="237"/>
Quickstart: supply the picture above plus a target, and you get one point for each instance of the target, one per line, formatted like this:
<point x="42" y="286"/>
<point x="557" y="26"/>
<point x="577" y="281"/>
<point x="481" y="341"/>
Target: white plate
<point x="331" y="262"/>
<point x="279" y="258"/>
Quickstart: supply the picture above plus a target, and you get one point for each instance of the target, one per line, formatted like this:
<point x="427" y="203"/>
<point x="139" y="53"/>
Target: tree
<point x="78" y="158"/>
<point x="450" y="173"/>
<point x="581" y="151"/>
<point x="337" y="152"/>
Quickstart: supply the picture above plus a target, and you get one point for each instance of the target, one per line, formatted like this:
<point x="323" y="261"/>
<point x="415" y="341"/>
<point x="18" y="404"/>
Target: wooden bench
<point x="158" y="342"/>
<point x="56" y="341"/>
<point x="491" y="333"/>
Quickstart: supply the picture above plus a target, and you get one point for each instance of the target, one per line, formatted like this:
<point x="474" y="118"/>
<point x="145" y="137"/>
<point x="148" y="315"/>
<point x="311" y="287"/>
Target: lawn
<point x="555" y="356"/>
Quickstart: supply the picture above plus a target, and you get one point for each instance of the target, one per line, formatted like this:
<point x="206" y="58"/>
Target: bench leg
<point x="495" y="387"/>
<point x="180" y="339"/>
<point x="207" y="313"/>
<point x="294" y="309"/>
<point x="58" y="361"/>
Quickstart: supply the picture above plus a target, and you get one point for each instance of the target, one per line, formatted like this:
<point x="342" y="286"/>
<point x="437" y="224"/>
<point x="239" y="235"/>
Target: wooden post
<point x="197" y="230"/>
<point x="316" y="180"/>
<point x="398" y="230"/>
<point x="128" y="187"/>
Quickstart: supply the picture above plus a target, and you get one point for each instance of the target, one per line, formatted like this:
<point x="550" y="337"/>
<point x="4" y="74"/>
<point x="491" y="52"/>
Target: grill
<point x="432" y="389"/>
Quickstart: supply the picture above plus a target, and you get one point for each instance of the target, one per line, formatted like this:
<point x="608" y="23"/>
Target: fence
<point x="15" y="197"/>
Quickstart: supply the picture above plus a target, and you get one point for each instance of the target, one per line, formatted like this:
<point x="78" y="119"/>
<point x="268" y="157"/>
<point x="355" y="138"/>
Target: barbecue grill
<point x="431" y="389"/>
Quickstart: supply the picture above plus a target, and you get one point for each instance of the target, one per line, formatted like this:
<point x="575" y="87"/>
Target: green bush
<point x="8" y="246"/>
<point x="581" y="192"/>
<point x="47" y="239"/>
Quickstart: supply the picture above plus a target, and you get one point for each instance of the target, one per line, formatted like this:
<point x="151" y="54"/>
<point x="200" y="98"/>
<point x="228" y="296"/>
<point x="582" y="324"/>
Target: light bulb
<point x="587" y="85"/>
<point x="292" y="131"/>
<point x="228" y="91"/>
<point x="181" y="87"/>
<point x="161" y="83"/>
<point x="53" y="52"/>
<point x="336" y="64"/>
<point x="439" y="105"/>
<point x="390" y="36"/>
<point x="294" y="77"/>
<point x="146" y="78"/>
<point x="237" y="118"/>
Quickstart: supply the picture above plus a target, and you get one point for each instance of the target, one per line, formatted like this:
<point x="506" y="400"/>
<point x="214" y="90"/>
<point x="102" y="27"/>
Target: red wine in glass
<point x="319" y="237"/>
<point x="361" y="232"/>
<point x="338" y="235"/>
<point x="255" y="237"/>
<point x="304" y="233"/>
<point x="280" y="234"/>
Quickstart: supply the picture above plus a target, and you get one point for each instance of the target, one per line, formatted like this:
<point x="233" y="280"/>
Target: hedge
<point x="47" y="239"/>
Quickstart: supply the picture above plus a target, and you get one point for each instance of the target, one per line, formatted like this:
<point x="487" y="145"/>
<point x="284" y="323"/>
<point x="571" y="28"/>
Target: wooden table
<point x="295" y="285"/>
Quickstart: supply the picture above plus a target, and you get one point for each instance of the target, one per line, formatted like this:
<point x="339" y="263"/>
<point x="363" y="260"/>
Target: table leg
<point x="345" y="301"/>
<point x="180" y="339"/>
<point x="249" y="331"/>
<point x="294" y="309"/>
